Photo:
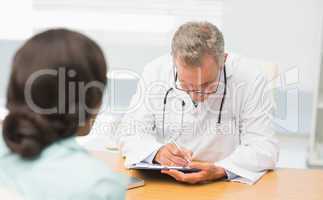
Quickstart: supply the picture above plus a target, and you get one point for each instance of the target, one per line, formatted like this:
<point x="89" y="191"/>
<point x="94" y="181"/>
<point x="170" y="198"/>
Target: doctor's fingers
<point x="166" y="161"/>
<point x="167" y="156"/>
<point x="182" y="152"/>
<point x="188" y="153"/>
<point x="191" y="178"/>
<point x="179" y="156"/>
<point x="178" y="161"/>
<point x="199" y="165"/>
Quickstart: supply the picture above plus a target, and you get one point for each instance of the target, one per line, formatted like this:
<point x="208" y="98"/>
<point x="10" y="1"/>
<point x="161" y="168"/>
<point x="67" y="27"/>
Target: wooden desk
<point x="284" y="184"/>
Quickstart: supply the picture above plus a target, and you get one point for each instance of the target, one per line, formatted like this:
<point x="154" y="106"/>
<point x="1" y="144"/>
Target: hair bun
<point x="23" y="132"/>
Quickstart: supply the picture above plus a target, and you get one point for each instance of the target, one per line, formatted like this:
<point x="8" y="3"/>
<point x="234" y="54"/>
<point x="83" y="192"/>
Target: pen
<point x="185" y="157"/>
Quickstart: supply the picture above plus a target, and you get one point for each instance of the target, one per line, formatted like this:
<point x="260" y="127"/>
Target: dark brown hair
<point x="26" y="131"/>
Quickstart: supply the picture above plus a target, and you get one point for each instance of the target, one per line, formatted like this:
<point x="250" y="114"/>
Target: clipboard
<point x="157" y="167"/>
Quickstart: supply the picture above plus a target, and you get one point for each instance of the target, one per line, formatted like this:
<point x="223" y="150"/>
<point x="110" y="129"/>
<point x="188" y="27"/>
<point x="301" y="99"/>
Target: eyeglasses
<point x="210" y="88"/>
<point x="201" y="92"/>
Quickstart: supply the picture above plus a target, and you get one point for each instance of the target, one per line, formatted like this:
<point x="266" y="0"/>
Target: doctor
<point x="202" y="108"/>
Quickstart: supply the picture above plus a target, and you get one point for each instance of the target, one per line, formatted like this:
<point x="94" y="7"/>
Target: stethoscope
<point x="183" y="103"/>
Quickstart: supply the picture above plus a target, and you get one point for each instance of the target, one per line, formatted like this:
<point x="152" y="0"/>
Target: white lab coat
<point x="244" y="143"/>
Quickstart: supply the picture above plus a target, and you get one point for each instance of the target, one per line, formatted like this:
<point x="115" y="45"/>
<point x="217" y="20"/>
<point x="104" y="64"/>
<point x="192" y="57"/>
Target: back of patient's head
<point x="56" y="84"/>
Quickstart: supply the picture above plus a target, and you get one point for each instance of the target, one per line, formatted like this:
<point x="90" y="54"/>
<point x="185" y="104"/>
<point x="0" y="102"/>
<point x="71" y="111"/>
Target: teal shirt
<point x="64" y="170"/>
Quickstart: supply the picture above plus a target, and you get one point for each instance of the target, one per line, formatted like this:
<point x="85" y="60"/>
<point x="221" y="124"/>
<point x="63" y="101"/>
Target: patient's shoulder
<point x="75" y="171"/>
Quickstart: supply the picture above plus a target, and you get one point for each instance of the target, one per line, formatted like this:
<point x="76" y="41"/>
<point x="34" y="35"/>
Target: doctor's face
<point x="198" y="81"/>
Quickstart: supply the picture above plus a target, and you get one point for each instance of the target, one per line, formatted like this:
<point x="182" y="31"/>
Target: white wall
<point x="287" y="33"/>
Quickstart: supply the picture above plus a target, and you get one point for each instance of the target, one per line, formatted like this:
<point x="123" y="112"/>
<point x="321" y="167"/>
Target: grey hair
<point x="193" y="40"/>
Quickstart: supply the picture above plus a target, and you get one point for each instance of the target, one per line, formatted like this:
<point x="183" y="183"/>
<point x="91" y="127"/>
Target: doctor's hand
<point x="209" y="172"/>
<point x="170" y="155"/>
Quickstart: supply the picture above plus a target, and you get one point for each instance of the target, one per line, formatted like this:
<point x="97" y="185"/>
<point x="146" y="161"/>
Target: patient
<point x="54" y="93"/>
